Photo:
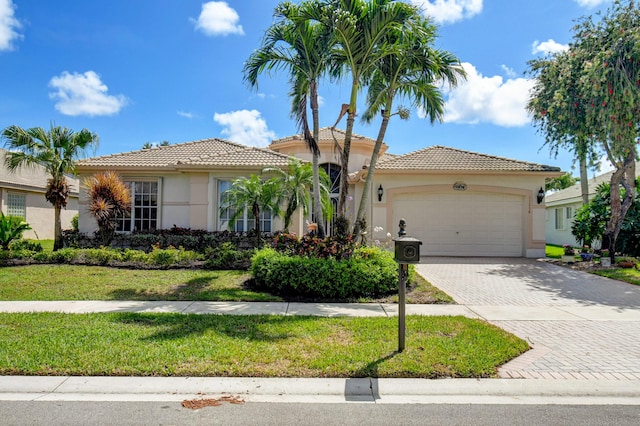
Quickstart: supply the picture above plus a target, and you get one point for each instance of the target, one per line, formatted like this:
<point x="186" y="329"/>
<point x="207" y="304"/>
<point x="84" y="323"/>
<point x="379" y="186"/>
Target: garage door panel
<point x="463" y="224"/>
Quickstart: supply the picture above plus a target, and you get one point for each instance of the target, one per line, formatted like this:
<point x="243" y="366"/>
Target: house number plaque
<point x="460" y="186"/>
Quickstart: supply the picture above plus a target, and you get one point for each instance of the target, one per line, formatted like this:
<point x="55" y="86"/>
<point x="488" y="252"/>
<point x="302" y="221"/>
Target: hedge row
<point x="370" y="272"/>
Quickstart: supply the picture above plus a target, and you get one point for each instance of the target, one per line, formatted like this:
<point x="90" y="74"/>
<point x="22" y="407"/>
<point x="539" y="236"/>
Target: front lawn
<point x="79" y="282"/>
<point x="74" y="282"/>
<point x="629" y="275"/>
<point x="123" y="344"/>
<point x="554" y="252"/>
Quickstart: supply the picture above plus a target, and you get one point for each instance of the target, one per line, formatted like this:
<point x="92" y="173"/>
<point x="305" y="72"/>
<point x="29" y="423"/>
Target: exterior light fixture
<point x="380" y="193"/>
<point x="540" y="195"/>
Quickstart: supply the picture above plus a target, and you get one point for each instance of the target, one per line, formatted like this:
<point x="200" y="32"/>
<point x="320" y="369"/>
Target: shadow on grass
<point x="197" y="289"/>
<point x="268" y="328"/>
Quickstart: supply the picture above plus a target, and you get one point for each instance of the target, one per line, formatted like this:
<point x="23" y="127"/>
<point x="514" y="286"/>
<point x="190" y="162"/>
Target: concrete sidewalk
<point x="360" y="390"/>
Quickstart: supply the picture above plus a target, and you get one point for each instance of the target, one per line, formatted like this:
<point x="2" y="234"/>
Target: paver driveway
<point x="579" y="325"/>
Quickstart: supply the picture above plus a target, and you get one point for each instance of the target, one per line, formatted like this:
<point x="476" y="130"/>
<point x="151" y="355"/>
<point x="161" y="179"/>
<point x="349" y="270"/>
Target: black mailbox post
<point x="407" y="250"/>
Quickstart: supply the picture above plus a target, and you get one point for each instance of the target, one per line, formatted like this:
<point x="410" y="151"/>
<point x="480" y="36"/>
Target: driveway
<point x="579" y="325"/>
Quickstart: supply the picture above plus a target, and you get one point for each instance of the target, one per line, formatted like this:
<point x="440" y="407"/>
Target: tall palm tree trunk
<point x="58" y="241"/>
<point x="317" y="206"/>
<point x="344" y="172"/>
<point x="370" y="173"/>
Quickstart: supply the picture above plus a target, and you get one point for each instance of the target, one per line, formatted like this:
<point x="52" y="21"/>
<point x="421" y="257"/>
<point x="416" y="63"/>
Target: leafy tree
<point x="301" y="47"/>
<point x="11" y="228"/>
<point x="609" y="49"/>
<point x="147" y="145"/>
<point x="562" y="182"/>
<point x="295" y="184"/>
<point x="558" y="113"/>
<point x="253" y="194"/>
<point x="56" y="150"/>
<point x="415" y="72"/>
<point x="109" y="198"/>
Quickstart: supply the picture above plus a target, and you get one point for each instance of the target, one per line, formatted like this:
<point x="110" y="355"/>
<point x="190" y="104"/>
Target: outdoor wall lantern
<point x="540" y="195"/>
<point x="380" y="193"/>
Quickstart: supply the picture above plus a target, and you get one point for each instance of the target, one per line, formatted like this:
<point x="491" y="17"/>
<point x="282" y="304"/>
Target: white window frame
<point x="17" y="205"/>
<point x="559" y="218"/>
<point x="140" y="184"/>
<point x="244" y="223"/>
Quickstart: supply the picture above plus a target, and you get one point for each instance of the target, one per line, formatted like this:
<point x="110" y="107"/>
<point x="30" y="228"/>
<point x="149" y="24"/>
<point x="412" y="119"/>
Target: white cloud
<point x="8" y="25"/>
<point x="84" y="94"/>
<point x="590" y="3"/>
<point x="549" y="46"/>
<point x="509" y="72"/>
<point x="185" y="114"/>
<point x="217" y="18"/>
<point x="449" y="11"/>
<point x="492" y="100"/>
<point x="245" y="127"/>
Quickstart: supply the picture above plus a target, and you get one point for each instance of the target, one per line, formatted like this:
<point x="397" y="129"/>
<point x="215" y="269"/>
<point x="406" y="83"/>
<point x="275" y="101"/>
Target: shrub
<point x="336" y="247"/>
<point x="25" y="245"/>
<point x="369" y="272"/>
<point x="227" y="256"/>
<point x="171" y="256"/>
<point x="11" y="228"/>
<point x="74" y="222"/>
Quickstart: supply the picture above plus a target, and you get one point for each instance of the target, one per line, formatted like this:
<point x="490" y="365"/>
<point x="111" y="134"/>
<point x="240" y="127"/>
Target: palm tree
<point x="253" y="194"/>
<point x="415" y="72"/>
<point x="294" y="185"/>
<point x="56" y="150"/>
<point x="300" y="46"/>
<point x="109" y="198"/>
<point x="359" y="28"/>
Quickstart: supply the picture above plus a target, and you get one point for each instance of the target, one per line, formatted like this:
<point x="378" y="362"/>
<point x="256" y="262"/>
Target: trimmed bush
<point x="227" y="256"/>
<point x="370" y="272"/>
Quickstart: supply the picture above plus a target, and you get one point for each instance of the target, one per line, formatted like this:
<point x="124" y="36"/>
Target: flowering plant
<point x="605" y="253"/>
<point x="568" y="250"/>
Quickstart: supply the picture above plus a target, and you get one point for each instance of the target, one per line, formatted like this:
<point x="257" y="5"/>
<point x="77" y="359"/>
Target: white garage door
<point x="463" y="224"/>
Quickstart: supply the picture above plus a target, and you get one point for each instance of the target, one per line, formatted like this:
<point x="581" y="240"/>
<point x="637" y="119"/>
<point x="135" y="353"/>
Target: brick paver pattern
<point x="586" y="349"/>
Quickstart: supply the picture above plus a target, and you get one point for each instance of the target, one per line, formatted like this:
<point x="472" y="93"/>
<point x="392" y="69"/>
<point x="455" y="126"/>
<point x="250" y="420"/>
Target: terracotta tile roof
<point x="28" y="177"/>
<point x="440" y="158"/>
<point x="325" y="134"/>
<point x="206" y="152"/>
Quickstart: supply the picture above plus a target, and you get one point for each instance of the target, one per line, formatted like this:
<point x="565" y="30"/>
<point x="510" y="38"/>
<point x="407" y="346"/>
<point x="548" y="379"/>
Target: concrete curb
<point x="327" y="390"/>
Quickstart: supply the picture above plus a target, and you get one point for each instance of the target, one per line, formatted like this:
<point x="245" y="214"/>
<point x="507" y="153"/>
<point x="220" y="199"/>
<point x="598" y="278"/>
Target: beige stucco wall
<point x="40" y="213"/>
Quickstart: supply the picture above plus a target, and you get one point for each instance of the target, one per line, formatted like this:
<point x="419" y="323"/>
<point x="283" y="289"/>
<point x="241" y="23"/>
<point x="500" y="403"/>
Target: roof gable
<point x="325" y="134"/>
<point x="442" y="158"/>
<point x="33" y="177"/>
<point x="206" y="152"/>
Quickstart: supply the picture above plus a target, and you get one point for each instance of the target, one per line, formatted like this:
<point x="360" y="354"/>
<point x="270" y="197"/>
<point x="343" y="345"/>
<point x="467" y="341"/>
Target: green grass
<point x="629" y="275"/>
<point x="73" y="282"/>
<point x="79" y="282"/>
<point x="554" y="252"/>
<point x="123" y="344"/>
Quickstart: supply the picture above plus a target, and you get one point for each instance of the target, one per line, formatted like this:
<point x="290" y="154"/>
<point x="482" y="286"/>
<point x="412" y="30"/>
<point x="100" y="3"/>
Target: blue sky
<point x="154" y="70"/>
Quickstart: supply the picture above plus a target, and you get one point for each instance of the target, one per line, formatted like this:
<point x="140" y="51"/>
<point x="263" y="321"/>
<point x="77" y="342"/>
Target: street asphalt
<point x="584" y="331"/>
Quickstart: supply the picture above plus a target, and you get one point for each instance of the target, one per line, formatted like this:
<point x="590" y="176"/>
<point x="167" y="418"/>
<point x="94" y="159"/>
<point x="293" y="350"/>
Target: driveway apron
<point x="579" y="325"/>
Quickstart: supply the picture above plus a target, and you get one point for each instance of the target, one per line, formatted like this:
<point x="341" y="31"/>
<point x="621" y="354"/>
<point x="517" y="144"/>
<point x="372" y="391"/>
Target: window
<point x="17" y="205"/>
<point x="569" y="213"/>
<point x="559" y="218"/>
<point x="245" y="222"/>
<point x="144" y="207"/>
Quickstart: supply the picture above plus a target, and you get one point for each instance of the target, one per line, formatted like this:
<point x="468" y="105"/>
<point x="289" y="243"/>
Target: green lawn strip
<point x="554" y="252"/>
<point x="80" y="282"/>
<point x="629" y="275"/>
<point x="144" y="344"/>
<point x="74" y="282"/>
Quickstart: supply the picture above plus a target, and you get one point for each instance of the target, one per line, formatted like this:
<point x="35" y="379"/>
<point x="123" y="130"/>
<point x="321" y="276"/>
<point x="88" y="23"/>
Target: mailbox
<point x="407" y="249"/>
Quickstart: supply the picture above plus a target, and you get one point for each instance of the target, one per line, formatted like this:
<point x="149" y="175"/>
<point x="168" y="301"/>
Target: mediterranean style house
<point x="22" y="194"/>
<point x="458" y="203"/>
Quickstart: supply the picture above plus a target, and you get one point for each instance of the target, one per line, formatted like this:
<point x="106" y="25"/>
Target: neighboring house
<point x="22" y="194"/>
<point x="458" y="203"/>
<point x="562" y="206"/>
